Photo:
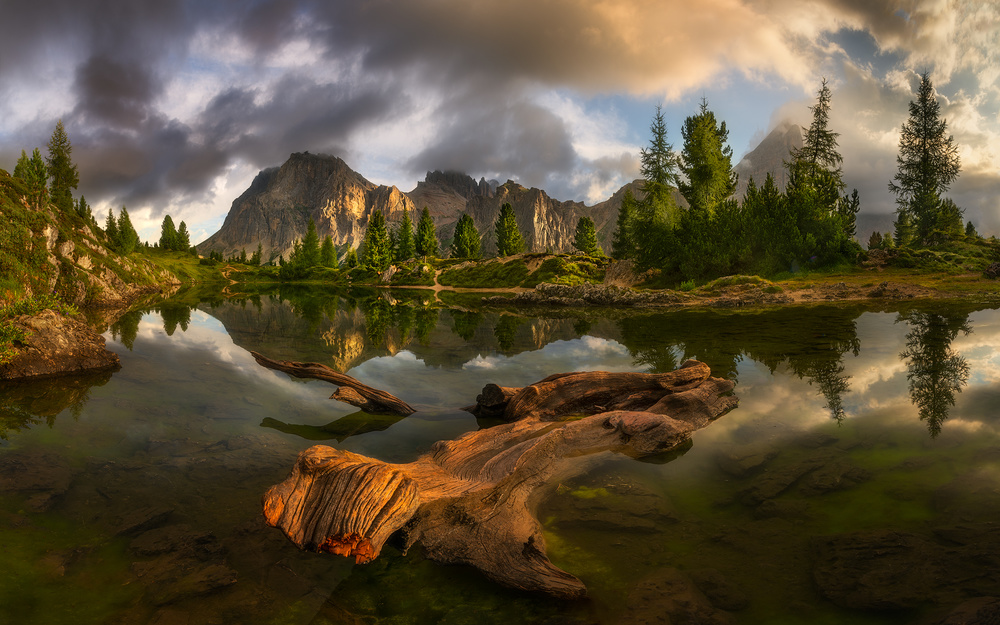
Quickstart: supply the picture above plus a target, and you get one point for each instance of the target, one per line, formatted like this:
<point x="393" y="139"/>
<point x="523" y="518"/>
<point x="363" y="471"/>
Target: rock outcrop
<point x="769" y="158"/>
<point x="56" y="345"/>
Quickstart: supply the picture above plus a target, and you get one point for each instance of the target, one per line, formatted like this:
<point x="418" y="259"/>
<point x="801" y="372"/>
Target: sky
<point x="173" y="106"/>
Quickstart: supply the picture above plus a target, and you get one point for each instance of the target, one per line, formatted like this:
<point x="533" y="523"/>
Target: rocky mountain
<point x="769" y="158"/>
<point x="275" y="210"/>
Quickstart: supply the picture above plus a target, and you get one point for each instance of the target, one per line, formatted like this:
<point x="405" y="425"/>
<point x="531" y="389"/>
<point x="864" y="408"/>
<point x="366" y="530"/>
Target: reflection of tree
<point x="404" y="321"/>
<point x="464" y="323"/>
<point x="378" y="320"/>
<point x="581" y="327"/>
<point x="427" y="319"/>
<point x="127" y="328"/>
<point x="174" y="316"/>
<point x="23" y="404"/>
<point x="505" y="330"/>
<point x="811" y="344"/>
<point x="935" y="372"/>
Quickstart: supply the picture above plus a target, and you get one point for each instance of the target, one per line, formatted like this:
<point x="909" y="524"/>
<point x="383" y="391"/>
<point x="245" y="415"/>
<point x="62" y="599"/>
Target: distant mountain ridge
<point x="275" y="210"/>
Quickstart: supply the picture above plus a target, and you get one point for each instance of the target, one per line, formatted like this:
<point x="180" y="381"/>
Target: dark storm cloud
<point x="500" y="138"/>
<point x="114" y="92"/>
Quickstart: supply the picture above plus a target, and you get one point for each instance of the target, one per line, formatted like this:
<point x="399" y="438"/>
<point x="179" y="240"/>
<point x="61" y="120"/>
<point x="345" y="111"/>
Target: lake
<point x="858" y="481"/>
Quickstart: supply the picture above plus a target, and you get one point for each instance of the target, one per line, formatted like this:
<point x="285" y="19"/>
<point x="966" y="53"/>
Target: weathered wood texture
<point x="470" y="500"/>
<point x="351" y="391"/>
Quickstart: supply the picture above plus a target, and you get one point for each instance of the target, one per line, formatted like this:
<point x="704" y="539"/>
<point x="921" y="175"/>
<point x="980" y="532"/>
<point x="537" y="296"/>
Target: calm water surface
<point x="858" y="481"/>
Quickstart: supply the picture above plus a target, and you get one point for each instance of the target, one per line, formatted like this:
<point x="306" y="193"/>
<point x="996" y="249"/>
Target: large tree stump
<point x="469" y="500"/>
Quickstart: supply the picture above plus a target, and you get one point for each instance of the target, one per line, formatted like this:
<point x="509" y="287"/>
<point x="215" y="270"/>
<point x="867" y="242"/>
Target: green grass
<point x="486" y="274"/>
<point x="570" y="271"/>
<point x="185" y="266"/>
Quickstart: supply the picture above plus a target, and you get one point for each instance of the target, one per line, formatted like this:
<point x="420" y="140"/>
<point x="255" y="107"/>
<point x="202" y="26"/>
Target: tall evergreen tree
<point x="656" y="215"/>
<point x="183" y="240"/>
<point x="426" y="240"/>
<point x="466" y="243"/>
<point x="257" y="256"/>
<point x="35" y="175"/>
<point x="351" y="258"/>
<point x="405" y="245"/>
<point x="377" y="254"/>
<point x="622" y="245"/>
<point x="61" y="169"/>
<point x="128" y="238"/>
<point x="111" y="229"/>
<point x="928" y="162"/>
<point x="509" y="239"/>
<point x="310" y="246"/>
<point x="706" y="162"/>
<point x="327" y="253"/>
<point x="818" y="163"/>
<point x="84" y="211"/>
<point x="585" y="239"/>
<point x="168" y="234"/>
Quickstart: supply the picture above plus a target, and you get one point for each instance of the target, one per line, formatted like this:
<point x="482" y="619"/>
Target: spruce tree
<point x="35" y="175"/>
<point x="351" y="258"/>
<point x="128" y="238"/>
<point x="327" y="253"/>
<point x="256" y="257"/>
<point x="509" y="239"/>
<point x="466" y="243"/>
<point x="183" y="240"/>
<point x="376" y="250"/>
<point x="426" y="240"/>
<point x="928" y="162"/>
<point x="168" y="234"/>
<point x="84" y="211"/>
<point x="61" y="169"/>
<point x="706" y="162"/>
<point x="818" y="163"/>
<point x="970" y="230"/>
<point x="656" y="215"/>
<point x="405" y="245"/>
<point x="586" y="238"/>
<point x="111" y="230"/>
<point x="622" y="246"/>
<point x="310" y="246"/>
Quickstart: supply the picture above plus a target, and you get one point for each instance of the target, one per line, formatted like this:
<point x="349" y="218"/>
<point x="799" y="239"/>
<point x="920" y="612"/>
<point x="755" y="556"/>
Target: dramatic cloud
<point x="173" y="105"/>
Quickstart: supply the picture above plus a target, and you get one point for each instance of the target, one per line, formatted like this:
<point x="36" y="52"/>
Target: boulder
<point x="55" y="345"/>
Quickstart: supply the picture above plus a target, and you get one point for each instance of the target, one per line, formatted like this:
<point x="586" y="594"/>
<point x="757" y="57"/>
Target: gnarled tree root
<point x="468" y="500"/>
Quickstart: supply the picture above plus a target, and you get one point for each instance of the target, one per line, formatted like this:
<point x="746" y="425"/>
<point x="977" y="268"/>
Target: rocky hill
<point x="46" y="251"/>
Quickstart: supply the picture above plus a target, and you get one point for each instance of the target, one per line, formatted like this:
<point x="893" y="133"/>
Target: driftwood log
<point x="471" y="500"/>
<point x="351" y="391"/>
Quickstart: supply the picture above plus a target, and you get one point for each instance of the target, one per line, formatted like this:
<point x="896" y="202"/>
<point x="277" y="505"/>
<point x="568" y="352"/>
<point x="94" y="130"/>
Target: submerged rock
<point x="670" y="597"/>
<point x="56" y="345"/>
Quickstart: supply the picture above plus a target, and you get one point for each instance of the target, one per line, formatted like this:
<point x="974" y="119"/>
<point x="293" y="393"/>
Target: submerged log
<point x="470" y="500"/>
<point x="351" y="391"/>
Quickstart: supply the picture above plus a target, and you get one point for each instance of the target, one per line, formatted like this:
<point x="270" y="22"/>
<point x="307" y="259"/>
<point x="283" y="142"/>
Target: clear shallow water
<point x="135" y="497"/>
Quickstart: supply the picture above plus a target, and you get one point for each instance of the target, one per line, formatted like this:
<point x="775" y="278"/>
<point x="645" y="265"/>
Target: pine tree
<point x="35" y="175"/>
<point x="818" y="163"/>
<point x="622" y="246"/>
<point x="310" y="246"/>
<point x="128" y="238"/>
<point x="426" y="240"/>
<point x="84" y="211"/>
<point x="928" y="162"/>
<point x="656" y="215"/>
<point x="970" y="230"/>
<point x="351" y="258"/>
<point x="509" y="239"/>
<point x="706" y="162"/>
<point x="466" y="243"/>
<point x="376" y="249"/>
<point x="111" y="230"/>
<point x="183" y="240"/>
<point x="405" y="245"/>
<point x="61" y="169"/>
<point x="327" y="253"/>
<point x="168" y="234"/>
<point x="586" y="238"/>
<point x="904" y="232"/>
<point x="256" y="257"/>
